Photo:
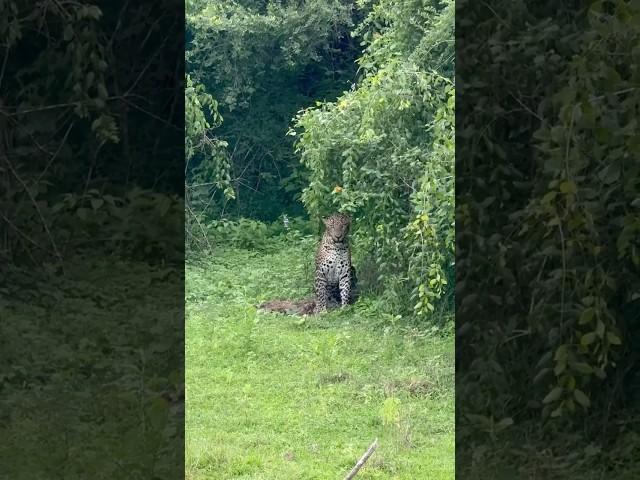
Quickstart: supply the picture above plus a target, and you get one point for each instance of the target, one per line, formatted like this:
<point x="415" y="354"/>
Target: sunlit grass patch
<point x="284" y="397"/>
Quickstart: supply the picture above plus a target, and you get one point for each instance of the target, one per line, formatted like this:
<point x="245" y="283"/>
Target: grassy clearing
<point x="278" y="397"/>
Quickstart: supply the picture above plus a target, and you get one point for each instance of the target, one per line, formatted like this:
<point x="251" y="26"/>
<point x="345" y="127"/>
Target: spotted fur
<point x="335" y="275"/>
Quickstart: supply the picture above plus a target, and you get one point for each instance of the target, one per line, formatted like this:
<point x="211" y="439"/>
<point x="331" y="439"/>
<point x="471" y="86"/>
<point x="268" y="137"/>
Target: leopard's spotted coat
<point x="335" y="275"/>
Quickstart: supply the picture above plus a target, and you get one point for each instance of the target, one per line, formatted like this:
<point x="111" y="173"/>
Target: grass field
<point x="284" y="397"/>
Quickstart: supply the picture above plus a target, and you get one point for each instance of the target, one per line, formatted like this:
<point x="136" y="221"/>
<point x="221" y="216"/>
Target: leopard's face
<point x="337" y="226"/>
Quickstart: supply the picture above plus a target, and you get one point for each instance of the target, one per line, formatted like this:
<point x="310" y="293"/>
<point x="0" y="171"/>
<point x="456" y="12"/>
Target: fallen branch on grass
<point x="362" y="460"/>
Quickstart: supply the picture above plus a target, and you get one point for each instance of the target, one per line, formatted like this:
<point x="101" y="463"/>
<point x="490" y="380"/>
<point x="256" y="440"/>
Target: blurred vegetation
<point x="73" y="164"/>
<point x="91" y="239"/>
<point x="548" y="317"/>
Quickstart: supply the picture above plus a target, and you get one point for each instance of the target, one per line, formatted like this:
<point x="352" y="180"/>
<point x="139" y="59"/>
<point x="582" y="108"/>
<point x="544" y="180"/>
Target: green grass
<point x="88" y="360"/>
<point x="284" y="397"/>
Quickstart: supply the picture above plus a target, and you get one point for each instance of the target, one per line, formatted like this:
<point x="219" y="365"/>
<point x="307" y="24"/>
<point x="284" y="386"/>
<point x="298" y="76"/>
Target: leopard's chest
<point x="333" y="263"/>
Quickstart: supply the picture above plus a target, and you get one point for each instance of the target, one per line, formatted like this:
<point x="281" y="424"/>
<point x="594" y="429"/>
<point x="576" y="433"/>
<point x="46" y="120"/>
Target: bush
<point x="550" y="234"/>
<point x="385" y="153"/>
<point x="140" y="224"/>
<point x="250" y="234"/>
<point x="262" y="61"/>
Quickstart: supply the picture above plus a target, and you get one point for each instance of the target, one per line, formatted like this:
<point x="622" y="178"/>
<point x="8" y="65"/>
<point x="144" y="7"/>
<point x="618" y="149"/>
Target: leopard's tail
<point x="289" y="307"/>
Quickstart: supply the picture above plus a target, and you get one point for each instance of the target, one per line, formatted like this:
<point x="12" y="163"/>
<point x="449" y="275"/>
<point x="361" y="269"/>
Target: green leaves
<point x="613" y="339"/>
<point x="201" y="117"/>
<point x="236" y="48"/>
<point x="610" y="174"/>
<point x="567" y="193"/>
<point x="587" y="339"/>
<point x="553" y="395"/>
<point x="389" y="144"/>
<point x="587" y="316"/>
<point x="581" y="398"/>
<point x="568" y="187"/>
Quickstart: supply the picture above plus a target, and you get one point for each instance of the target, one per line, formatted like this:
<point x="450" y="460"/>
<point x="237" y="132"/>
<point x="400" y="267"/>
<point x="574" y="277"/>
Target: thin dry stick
<point x="53" y="157"/>
<point x="362" y="460"/>
<point x="204" y="233"/>
<point x="37" y="207"/>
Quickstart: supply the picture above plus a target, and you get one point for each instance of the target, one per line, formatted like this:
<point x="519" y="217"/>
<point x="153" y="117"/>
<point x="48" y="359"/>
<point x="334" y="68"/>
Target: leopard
<point x="335" y="279"/>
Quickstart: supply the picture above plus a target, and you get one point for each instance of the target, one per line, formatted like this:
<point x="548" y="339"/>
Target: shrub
<point x="550" y="234"/>
<point x="385" y="152"/>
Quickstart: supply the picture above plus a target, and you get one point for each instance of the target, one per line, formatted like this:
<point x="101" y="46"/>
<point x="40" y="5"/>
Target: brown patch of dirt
<point x="415" y="386"/>
<point x="334" y="378"/>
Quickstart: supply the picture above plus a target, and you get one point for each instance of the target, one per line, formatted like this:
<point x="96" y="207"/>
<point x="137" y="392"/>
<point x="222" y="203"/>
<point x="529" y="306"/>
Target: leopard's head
<point x="337" y="226"/>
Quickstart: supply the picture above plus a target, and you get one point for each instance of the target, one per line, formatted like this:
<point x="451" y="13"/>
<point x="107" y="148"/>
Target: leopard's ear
<point x="325" y="220"/>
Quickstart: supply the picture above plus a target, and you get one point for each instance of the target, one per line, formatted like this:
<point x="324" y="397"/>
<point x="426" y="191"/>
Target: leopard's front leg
<point x="345" y="288"/>
<point x="320" y="286"/>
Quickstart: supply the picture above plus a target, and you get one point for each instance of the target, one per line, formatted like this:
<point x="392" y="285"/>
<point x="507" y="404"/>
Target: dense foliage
<point x="86" y="390"/>
<point x="210" y="176"/>
<point x="262" y="61"/>
<point x="91" y="239"/>
<point x="548" y="204"/>
<point x="385" y="151"/>
<point x="72" y="162"/>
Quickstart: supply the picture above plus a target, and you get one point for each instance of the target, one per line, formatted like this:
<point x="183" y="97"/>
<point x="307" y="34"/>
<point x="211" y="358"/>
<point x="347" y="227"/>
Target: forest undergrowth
<point x="91" y="384"/>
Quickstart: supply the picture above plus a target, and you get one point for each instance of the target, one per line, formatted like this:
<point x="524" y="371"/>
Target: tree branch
<point x="362" y="460"/>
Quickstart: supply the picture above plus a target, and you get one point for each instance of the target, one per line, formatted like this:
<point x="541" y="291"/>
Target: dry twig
<point x="362" y="460"/>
